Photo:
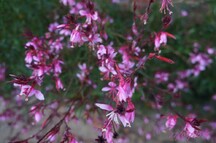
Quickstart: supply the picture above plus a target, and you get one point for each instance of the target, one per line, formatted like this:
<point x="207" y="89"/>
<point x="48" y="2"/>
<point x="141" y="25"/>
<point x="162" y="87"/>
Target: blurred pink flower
<point x="171" y="121"/>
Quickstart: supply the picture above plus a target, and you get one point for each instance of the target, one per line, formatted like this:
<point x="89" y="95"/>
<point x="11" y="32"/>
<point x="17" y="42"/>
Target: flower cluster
<point x="120" y="66"/>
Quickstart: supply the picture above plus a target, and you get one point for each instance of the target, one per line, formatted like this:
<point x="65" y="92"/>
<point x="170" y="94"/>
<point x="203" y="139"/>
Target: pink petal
<point x="104" y="106"/>
<point x="39" y="95"/>
<point x="95" y="16"/>
<point x="37" y="117"/>
<point x="106" y="89"/>
<point x="112" y="84"/>
<point x="82" y="12"/>
<point x="102" y="69"/>
<point x="124" y="121"/>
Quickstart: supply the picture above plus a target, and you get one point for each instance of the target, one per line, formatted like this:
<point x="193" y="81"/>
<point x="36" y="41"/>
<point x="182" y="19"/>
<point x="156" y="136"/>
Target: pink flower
<point x="171" y="121"/>
<point x="83" y="75"/>
<point x="29" y="57"/>
<point x="77" y="36"/>
<point x="58" y="84"/>
<point x="102" y="50"/>
<point x="40" y="70"/>
<point x="106" y="55"/>
<point x="29" y="91"/>
<point x="36" y="112"/>
<point x="192" y="127"/>
<point x="52" y="27"/>
<point x="116" y="114"/>
<point x="51" y="137"/>
<point x="94" y="39"/>
<point x="57" y="66"/>
<point x="127" y="64"/>
<point x="56" y="45"/>
<point x="108" y="134"/>
<point x="107" y="70"/>
<point x="161" y="77"/>
<point x="130" y="114"/>
<point x="210" y="51"/>
<point x="124" y="89"/>
<point x="89" y="16"/>
<point x="161" y="38"/>
<point x="112" y="88"/>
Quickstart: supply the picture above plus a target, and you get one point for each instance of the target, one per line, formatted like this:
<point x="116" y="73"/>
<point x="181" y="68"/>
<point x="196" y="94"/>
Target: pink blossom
<point x="116" y="114"/>
<point x="58" y="84"/>
<point x="57" y="66"/>
<point x="83" y="75"/>
<point x="191" y="131"/>
<point x="52" y="27"/>
<point x="124" y="89"/>
<point x="192" y="127"/>
<point x="177" y="86"/>
<point x="102" y="50"/>
<point x="106" y="55"/>
<point x="112" y="88"/>
<point x="51" y="137"/>
<point x="94" y="39"/>
<point x="29" y="57"/>
<point x="40" y="70"/>
<point x="108" y="134"/>
<point x="77" y="36"/>
<point x="107" y="70"/>
<point x="65" y="32"/>
<point x="56" y="45"/>
<point x="161" y="77"/>
<point x="36" y="112"/>
<point x="89" y="16"/>
<point x="29" y="91"/>
<point x="76" y="8"/>
<point x="161" y="38"/>
<point x="130" y="114"/>
<point x="210" y="51"/>
<point x="171" y="121"/>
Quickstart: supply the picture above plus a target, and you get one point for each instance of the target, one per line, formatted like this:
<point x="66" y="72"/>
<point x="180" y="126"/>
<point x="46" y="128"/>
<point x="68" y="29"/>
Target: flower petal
<point x="106" y="89"/>
<point x="39" y="95"/>
<point x="104" y="106"/>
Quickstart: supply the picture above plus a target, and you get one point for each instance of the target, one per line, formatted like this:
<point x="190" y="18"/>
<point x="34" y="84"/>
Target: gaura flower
<point x="171" y="121"/>
<point x="125" y="115"/>
<point x="192" y="127"/>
